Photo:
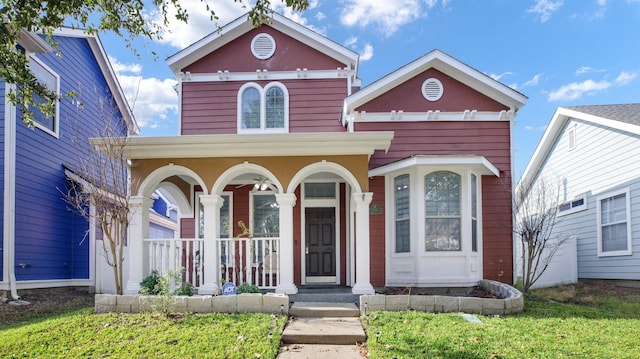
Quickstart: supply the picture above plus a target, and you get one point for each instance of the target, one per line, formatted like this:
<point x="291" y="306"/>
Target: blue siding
<point x="50" y="238"/>
<point x="2" y="119"/>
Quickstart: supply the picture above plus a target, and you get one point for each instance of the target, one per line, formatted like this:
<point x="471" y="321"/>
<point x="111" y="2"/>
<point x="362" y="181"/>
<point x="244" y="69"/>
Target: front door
<point x="320" y="245"/>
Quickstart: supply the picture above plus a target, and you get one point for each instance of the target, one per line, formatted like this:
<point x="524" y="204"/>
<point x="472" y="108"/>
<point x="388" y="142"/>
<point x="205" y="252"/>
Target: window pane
<point x="266" y="216"/>
<point x="442" y="234"/>
<point x="275" y="108"/>
<point x="251" y="108"/>
<point x="320" y="190"/>
<point x="51" y="82"/>
<point x="614" y="237"/>
<point x="442" y="209"/>
<point x="613" y="221"/>
<point x="474" y="213"/>
<point x="402" y="193"/>
<point x="614" y="209"/>
<point x="225" y="218"/>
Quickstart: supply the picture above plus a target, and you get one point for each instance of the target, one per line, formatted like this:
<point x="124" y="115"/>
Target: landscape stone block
<point x="224" y="304"/>
<point x="471" y="305"/>
<point x="446" y="304"/>
<point x="372" y="302"/>
<point x="492" y="306"/>
<point x="398" y="302"/>
<point x="127" y="304"/>
<point x="178" y="304"/>
<point x="275" y="303"/>
<point x="249" y="303"/>
<point x="423" y="303"/>
<point x="199" y="304"/>
<point x="105" y="303"/>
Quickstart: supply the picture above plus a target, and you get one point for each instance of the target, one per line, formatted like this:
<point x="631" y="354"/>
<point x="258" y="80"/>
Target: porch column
<point x="211" y="272"/>
<point x="138" y="230"/>
<point x="363" y="279"/>
<point x="286" y="201"/>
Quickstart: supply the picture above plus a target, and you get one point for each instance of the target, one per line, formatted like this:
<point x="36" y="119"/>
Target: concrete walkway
<point x="323" y="330"/>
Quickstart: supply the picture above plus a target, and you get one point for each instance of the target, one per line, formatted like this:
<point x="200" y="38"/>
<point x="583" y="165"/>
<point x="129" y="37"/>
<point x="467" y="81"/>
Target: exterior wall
<point x="290" y="55"/>
<point x="50" y="240"/>
<point x="490" y="139"/>
<point x="212" y="107"/>
<point x="603" y="160"/>
<point x="377" y="233"/>
<point x="408" y="97"/>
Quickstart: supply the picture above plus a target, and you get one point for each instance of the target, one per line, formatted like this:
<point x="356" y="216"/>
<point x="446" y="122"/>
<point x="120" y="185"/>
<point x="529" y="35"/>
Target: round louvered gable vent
<point x="432" y="89"/>
<point x="263" y="46"/>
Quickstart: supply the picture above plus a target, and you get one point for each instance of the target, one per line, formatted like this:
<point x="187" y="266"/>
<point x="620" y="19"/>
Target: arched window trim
<point x="263" y="108"/>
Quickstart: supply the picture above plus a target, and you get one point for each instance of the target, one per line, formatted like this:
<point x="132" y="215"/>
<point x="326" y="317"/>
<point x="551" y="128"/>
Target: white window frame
<point x="263" y="108"/>
<point x="56" y="114"/>
<point x="395" y="217"/>
<point x="572" y="137"/>
<point x="601" y="198"/>
<point x="573" y="207"/>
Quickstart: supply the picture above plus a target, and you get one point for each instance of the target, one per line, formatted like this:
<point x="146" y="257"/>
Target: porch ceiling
<point x="256" y="145"/>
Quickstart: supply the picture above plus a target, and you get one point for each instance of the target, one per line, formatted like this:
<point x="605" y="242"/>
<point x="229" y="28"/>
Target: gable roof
<point x="624" y="117"/>
<point x="243" y="24"/>
<point x="448" y="65"/>
<point x="107" y="72"/>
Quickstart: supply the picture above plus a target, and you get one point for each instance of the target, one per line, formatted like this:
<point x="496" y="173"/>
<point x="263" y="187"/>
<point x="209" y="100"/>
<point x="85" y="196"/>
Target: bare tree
<point x="535" y="216"/>
<point x="98" y="186"/>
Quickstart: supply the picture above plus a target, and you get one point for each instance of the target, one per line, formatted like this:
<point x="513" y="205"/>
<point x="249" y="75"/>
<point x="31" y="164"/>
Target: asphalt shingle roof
<point x="628" y="113"/>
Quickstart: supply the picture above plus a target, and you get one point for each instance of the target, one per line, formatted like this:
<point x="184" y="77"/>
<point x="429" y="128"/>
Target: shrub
<point x="150" y="285"/>
<point x="247" y="288"/>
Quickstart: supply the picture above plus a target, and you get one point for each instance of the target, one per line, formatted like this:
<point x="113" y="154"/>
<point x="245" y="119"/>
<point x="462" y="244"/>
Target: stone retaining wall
<point x="511" y="301"/>
<point x="241" y="303"/>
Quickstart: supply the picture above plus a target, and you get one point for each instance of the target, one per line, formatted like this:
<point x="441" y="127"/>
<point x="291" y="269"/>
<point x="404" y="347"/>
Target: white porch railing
<point x="254" y="261"/>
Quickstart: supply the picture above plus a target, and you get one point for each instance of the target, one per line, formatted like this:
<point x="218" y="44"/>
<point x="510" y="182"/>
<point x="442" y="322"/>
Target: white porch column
<point x="363" y="279"/>
<point x="138" y="230"/>
<point x="286" y="201"/>
<point x="211" y="271"/>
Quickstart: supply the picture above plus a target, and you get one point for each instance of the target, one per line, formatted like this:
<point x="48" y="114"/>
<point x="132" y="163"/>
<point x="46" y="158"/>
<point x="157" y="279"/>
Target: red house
<point x="405" y="182"/>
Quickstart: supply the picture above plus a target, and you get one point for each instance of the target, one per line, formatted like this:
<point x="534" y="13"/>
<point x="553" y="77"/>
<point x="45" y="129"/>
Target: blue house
<point x="591" y="153"/>
<point x="43" y="243"/>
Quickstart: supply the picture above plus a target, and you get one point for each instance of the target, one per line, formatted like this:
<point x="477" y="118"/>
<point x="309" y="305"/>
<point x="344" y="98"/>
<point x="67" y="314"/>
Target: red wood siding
<point x="377" y="233"/>
<point x="408" y="97"/>
<point x="290" y="55"/>
<point x="486" y="138"/>
<point x="212" y="108"/>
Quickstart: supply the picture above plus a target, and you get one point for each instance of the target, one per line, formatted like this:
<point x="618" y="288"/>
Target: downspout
<point x="514" y="252"/>
<point x="9" y="191"/>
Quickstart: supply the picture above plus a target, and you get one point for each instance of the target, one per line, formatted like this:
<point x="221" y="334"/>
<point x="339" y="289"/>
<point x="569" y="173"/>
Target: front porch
<point x="272" y="220"/>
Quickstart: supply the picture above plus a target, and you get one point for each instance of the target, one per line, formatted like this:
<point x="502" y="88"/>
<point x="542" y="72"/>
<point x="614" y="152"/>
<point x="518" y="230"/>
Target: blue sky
<point x="558" y="53"/>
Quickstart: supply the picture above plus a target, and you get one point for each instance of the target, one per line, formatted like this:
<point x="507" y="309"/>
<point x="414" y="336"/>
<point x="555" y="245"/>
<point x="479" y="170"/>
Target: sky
<point x="555" y="52"/>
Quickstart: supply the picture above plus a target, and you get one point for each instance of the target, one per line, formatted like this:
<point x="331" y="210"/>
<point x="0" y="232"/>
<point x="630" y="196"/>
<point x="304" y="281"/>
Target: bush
<point x="150" y="285"/>
<point x="154" y="284"/>
<point x="247" y="288"/>
<point x="185" y="289"/>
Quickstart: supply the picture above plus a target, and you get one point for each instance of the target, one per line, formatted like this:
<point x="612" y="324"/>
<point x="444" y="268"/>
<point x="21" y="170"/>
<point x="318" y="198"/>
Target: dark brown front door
<point x="320" y="244"/>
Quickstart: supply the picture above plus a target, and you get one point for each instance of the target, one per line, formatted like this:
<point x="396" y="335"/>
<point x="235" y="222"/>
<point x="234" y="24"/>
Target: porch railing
<point x="253" y="261"/>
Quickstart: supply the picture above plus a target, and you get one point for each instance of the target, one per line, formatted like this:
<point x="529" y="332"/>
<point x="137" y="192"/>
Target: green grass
<point x="566" y="322"/>
<point x="606" y="329"/>
<point x="81" y="334"/>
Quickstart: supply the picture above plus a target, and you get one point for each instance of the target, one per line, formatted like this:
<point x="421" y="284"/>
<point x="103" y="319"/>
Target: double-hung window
<point x="614" y="230"/>
<point x="263" y="109"/>
<point x="47" y="77"/>
<point x="442" y="211"/>
<point x="403" y="214"/>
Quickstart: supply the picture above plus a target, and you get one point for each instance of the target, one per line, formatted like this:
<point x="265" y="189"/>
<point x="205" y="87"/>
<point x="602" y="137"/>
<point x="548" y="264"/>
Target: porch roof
<point x="479" y="164"/>
<point x="255" y="145"/>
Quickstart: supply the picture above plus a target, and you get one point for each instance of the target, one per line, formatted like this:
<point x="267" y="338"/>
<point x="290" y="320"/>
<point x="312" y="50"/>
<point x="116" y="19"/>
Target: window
<point x="614" y="230"/>
<point x="51" y="80"/>
<point x="571" y="134"/>
<point x="266" y="222"/>
<point x="474" y="213"/>
<point x="442" y="211"/>
<point x="403" y="213"/>
<point x="319" y="190"/>
<point x="575" y="205"/>
<point x="263" y="109"/>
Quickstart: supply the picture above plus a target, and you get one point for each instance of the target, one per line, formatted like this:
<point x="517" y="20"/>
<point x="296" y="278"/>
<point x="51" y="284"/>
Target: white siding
<point x="604" y="159"/>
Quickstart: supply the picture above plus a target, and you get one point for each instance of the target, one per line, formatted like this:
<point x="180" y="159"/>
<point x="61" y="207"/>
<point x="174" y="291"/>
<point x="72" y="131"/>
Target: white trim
<point x="572" y="208"/>
<point x="56" y="114"/>
<point x="262" y="74"/>
<point x="9" y="194"/>
<point x="627" y="198"/>
<point x="31" y="284"/>
<point x="256" y="51"/>
<point x="260" y="145"/>
<point x="401" y="116"/>
<point x="572" y="137"/>
<point x="479" y="164"/>
<point x="32" y="42"/>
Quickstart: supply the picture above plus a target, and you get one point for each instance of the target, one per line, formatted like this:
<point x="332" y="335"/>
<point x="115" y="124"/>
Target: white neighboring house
<point x="593" y="154"/>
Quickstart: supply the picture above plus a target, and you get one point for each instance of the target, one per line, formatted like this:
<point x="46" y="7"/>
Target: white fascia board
<point x="401" y="116"/>
<point x="107" y="72"/>
<point x="242" y="25"/>
<point x="479" y="164"/>
<point x="255" y="145"/>
<point x="33" y="43"/>
<point x="449" y="66"/>
<point x="259" y="75"/>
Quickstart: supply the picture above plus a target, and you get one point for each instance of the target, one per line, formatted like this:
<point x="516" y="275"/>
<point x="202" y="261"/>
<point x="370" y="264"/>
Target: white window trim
<point x="628" y="251"/>
<point x="263" y="108"/>
<point x="584" y="206"/>
<point x="394" y="219"/>
<point x="56" y="120"/>
<point x="572" y="137"/>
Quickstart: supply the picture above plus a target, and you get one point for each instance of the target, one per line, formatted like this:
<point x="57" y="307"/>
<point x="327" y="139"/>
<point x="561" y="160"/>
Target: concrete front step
<point x="321" y="309"/>
<point x="335" y="331"/>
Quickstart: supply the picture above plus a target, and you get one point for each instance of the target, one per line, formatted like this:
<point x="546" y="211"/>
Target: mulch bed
<point x="43" y="302"/>
<point x="475" y="292"/>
